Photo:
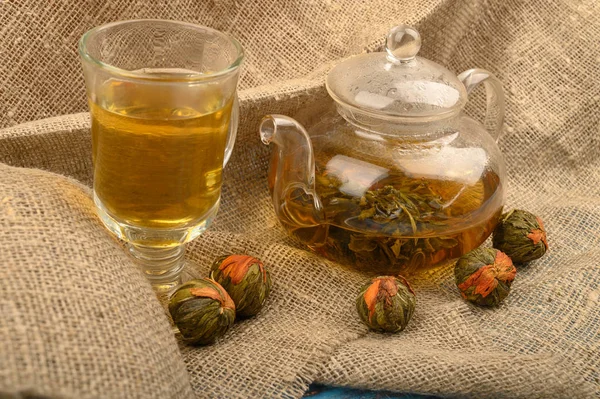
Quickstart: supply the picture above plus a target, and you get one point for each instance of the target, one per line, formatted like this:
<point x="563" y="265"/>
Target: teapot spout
<point x="294" y="154"/>
<point x="292" y="172"/>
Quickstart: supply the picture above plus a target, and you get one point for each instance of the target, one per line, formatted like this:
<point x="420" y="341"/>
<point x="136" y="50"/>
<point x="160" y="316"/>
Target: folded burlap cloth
<point x="78" y="320"/>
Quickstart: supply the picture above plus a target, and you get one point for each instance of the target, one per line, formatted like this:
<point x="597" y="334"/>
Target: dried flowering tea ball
<point x="521" y="235"/>
<point x="484" y="276"/>
<point x="386" y="303"/>
<point x="202" y="310"/>
<point x="246" y="279"/>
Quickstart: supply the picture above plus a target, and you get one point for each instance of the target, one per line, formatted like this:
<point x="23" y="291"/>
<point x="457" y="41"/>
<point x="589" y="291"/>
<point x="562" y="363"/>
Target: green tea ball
<point x="386" y="303"/>
<point x="202" y="310"/>
<point x="521" y="235"/>
<point x="246" y="279"/>
<point x="484" y="276"/>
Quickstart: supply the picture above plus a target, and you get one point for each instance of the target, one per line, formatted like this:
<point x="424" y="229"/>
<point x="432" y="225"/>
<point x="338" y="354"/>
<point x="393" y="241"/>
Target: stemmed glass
<point x="162" y="97"/>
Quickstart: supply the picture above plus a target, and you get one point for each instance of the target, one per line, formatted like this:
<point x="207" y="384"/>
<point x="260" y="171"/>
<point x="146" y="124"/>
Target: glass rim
<point x="87" y="57"/>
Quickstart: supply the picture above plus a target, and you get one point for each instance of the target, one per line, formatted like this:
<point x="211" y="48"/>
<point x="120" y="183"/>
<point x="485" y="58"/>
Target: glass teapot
<point x="394" y="177"/>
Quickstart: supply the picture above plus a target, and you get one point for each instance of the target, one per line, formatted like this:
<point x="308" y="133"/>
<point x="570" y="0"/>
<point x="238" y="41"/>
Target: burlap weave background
<point x="77" y="320"/>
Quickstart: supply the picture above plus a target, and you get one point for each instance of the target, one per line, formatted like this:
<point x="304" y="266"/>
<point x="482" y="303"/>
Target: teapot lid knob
<point x="402" y="44"/>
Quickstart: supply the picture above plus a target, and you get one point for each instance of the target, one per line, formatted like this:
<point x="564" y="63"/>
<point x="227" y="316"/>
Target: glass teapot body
<point x="389" y="193"/>
<point x="389" y="203"/>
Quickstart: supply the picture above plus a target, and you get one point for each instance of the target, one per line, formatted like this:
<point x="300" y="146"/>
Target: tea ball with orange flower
<point x="521" y="235"/>
<point x="386" y="303"/>
<point x="246" y="279"/>
<point x="484" y="276"/>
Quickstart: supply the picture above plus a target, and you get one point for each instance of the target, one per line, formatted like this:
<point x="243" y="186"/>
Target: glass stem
<point x="162" y="266"/>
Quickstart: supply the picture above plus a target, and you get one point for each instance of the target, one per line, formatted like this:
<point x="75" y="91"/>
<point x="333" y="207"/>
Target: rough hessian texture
<point x="79" y="321"/>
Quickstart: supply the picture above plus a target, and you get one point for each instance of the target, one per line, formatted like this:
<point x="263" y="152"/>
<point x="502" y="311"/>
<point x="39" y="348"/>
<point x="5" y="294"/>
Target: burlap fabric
<point x="76" y="319"/>
<point x="60" y="271"/>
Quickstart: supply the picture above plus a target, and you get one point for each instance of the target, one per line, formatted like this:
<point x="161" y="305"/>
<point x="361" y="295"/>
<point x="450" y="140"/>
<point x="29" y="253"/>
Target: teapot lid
<point x="397" y="83"/>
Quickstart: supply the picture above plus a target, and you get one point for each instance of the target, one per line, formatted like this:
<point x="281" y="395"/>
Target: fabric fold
<point x="542" y="342"/>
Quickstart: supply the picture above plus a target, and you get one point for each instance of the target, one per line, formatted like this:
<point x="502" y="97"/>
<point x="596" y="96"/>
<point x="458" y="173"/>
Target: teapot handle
<point x="494" y="115"/>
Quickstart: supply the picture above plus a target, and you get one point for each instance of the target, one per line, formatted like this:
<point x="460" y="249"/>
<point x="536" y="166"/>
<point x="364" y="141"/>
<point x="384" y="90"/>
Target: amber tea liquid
<point x="464" y="218"/>
<point x="157" y="160"/>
